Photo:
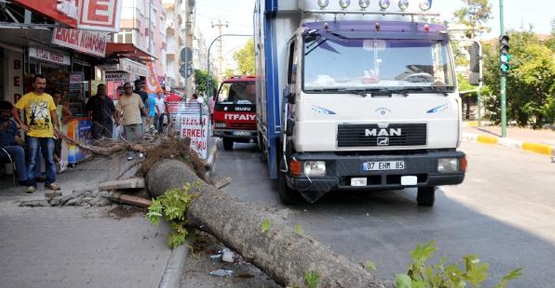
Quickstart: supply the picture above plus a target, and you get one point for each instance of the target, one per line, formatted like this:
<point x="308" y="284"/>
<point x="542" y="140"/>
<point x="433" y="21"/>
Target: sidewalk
<point x="78" y="246"/>
<point x="537" y="141"/>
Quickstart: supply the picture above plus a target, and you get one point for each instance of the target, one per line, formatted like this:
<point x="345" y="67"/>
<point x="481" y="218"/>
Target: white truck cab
<point x="366" y="98"/>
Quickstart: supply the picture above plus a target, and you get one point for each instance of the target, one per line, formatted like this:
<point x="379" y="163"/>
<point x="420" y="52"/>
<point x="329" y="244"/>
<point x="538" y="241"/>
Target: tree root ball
<point x="167" y="174"/>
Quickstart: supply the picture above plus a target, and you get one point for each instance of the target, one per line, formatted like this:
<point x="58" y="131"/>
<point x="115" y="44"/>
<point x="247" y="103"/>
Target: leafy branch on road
<point x="473" y="273"/>
<point x="172" y="206"/>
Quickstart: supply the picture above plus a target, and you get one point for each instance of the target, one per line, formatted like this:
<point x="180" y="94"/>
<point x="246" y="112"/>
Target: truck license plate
<point x="241" y="133"/>
<point x="383" y="165"/>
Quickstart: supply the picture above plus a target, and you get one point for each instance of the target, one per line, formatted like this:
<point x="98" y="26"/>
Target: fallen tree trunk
<point x="282" y="254"/>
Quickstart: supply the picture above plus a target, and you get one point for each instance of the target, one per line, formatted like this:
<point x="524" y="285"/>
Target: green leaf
<point x="312" y="279"/>
<point x="370" y="265"/>
<point x="265" y="225"/>
<point x="403" y="281"/>
<point x="510" y="276"/>
<point x="176" y="239"/>
<point x="299" y="229"/>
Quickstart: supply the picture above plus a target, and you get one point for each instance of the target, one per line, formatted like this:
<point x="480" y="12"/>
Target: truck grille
<point x="242" y="125"/>
<point x="370" y="135"/>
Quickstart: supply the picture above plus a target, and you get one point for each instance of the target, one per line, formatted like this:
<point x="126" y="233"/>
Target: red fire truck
<point x="235" y="111"/>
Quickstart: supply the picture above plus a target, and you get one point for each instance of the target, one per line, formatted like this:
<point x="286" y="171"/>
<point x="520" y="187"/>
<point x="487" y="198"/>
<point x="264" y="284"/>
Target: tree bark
<point x="283" y="254"/>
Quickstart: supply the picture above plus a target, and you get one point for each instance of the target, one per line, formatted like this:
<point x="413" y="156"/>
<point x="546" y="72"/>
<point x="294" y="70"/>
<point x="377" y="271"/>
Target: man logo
<point x="382" y="132"/>
<point x="383" y="141"/>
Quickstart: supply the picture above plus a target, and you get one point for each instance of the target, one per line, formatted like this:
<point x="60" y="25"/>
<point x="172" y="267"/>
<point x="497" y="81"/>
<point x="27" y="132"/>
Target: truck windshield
<point x="358" y="64"/>
<point x="237" y="93"/>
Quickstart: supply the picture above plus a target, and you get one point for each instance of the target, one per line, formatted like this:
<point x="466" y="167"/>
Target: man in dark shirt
<point x="10" y="141"/>
<point x="140" y="90"/>
<point x="102" y="110"/>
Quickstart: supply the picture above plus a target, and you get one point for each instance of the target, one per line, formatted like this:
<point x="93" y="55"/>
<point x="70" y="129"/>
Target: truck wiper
<point x="427" y="89"/>
<point x="318" y="43"/>
<point x="362" y="92"/>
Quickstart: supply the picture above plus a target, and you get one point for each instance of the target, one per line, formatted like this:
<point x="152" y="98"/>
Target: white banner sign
<point x="116" y="76"/>
<point x="49" y="56"/>
<point x="196" y="127"/>
<point x="85" y="41"/>
<point x="133" y="67"/>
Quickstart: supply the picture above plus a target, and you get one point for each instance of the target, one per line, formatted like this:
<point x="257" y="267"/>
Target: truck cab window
<point x="359" y="63"/>
<point x="237" y="93"/>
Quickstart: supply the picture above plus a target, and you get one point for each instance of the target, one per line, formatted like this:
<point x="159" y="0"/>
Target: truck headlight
<point x="314" y="168"/>
<point x="447" y="165"/>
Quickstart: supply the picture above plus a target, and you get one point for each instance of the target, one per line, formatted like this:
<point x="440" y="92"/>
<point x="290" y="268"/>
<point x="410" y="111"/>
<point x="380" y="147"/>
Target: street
<point x="502" y="212"/>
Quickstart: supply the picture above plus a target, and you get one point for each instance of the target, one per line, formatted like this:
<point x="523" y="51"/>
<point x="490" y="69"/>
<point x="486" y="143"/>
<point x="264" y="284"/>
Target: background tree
<point x="201" y="81"/>
<point x="245" y="58"/>
<point x="474" y="15"/>
<point x="550" y="43"/>
<point x="530" y="83"/>
<point x="228" y="73"/>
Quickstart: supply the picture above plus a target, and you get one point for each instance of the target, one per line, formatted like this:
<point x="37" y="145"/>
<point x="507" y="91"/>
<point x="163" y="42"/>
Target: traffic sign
<point x="186" y="54"/>
<point x="186" y="70"/>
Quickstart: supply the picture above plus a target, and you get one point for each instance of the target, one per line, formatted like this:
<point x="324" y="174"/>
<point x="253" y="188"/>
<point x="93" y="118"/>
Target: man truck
<point x="356" y="96"/>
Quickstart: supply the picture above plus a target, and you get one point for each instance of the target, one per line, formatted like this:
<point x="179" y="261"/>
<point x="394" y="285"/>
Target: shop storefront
<point x="126" y="70"/>
<point x="11" y="73"/>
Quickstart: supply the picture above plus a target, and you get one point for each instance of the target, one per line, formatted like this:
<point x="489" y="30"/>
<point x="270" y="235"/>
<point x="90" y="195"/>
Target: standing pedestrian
<point x="40" y="126"/>
<point x="151" y="108"/>
<point x="101" y="108"/>
<point x="60" y="110"/>
<point x="161" y="112"/>
<point x="131" y="105"/>
<point x="140" y="90"/>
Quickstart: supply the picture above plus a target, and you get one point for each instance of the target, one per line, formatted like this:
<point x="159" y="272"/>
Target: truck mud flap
<point x="315" y="191"/>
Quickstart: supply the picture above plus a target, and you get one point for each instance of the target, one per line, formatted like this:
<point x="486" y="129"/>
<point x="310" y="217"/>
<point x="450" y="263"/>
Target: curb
<point x="174" y="268"/>
<point x="510" y="143"/>
<point x="212" y="154"/>
<point x="171" y="278"/>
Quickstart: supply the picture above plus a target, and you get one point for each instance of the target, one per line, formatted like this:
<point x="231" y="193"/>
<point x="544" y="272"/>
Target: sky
<point x="238" y="15"/>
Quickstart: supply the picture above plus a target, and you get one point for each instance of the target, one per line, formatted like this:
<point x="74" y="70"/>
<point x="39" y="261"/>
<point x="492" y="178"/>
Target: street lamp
<point x="208" y="79"/>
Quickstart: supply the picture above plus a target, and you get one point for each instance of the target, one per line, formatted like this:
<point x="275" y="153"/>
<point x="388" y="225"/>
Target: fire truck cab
<point x="235" y="111"/>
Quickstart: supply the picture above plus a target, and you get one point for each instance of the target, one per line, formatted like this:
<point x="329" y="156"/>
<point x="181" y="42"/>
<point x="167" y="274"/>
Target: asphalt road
<point x="504" y="212"/>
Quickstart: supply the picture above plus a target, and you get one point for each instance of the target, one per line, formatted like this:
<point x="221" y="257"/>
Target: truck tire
<point x="287" y="195"/>
<point x="426" y="196"/>
<point x="228" y="144"/>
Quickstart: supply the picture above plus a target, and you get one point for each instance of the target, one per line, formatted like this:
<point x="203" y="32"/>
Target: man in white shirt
<point x="161" y="112"/>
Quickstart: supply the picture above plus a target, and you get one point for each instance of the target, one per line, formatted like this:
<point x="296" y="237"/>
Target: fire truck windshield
<point x="237" y="93"/>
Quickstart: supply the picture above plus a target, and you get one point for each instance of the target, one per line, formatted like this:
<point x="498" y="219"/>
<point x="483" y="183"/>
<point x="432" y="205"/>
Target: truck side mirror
<point x="290" y="97"/>
<point x="475" y="77"/>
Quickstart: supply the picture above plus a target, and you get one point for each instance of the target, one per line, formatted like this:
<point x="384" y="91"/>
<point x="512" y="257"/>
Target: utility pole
<point x="219" y="25"/>
<point x="189" y="26"/>
<point x="503" y="79"/>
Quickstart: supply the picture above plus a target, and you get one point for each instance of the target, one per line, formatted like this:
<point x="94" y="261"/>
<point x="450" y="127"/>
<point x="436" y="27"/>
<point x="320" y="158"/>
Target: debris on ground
<point x="129" y="199"/>
<point x="205" y="268"/>
<point x="124" y="211"/>
<point x="83" y="198"/>
<point x="221" y="273"/>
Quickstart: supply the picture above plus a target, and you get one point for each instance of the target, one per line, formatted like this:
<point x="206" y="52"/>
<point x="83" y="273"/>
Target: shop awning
<point x="128" y="50"/>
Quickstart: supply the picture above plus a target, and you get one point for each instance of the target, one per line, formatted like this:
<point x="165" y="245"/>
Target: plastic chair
<point x="6" y="156"/>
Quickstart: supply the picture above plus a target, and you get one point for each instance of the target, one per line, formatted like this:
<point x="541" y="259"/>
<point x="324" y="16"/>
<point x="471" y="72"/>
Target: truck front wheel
<point x="228" y="144"/>
<point x="426" y="196"/>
